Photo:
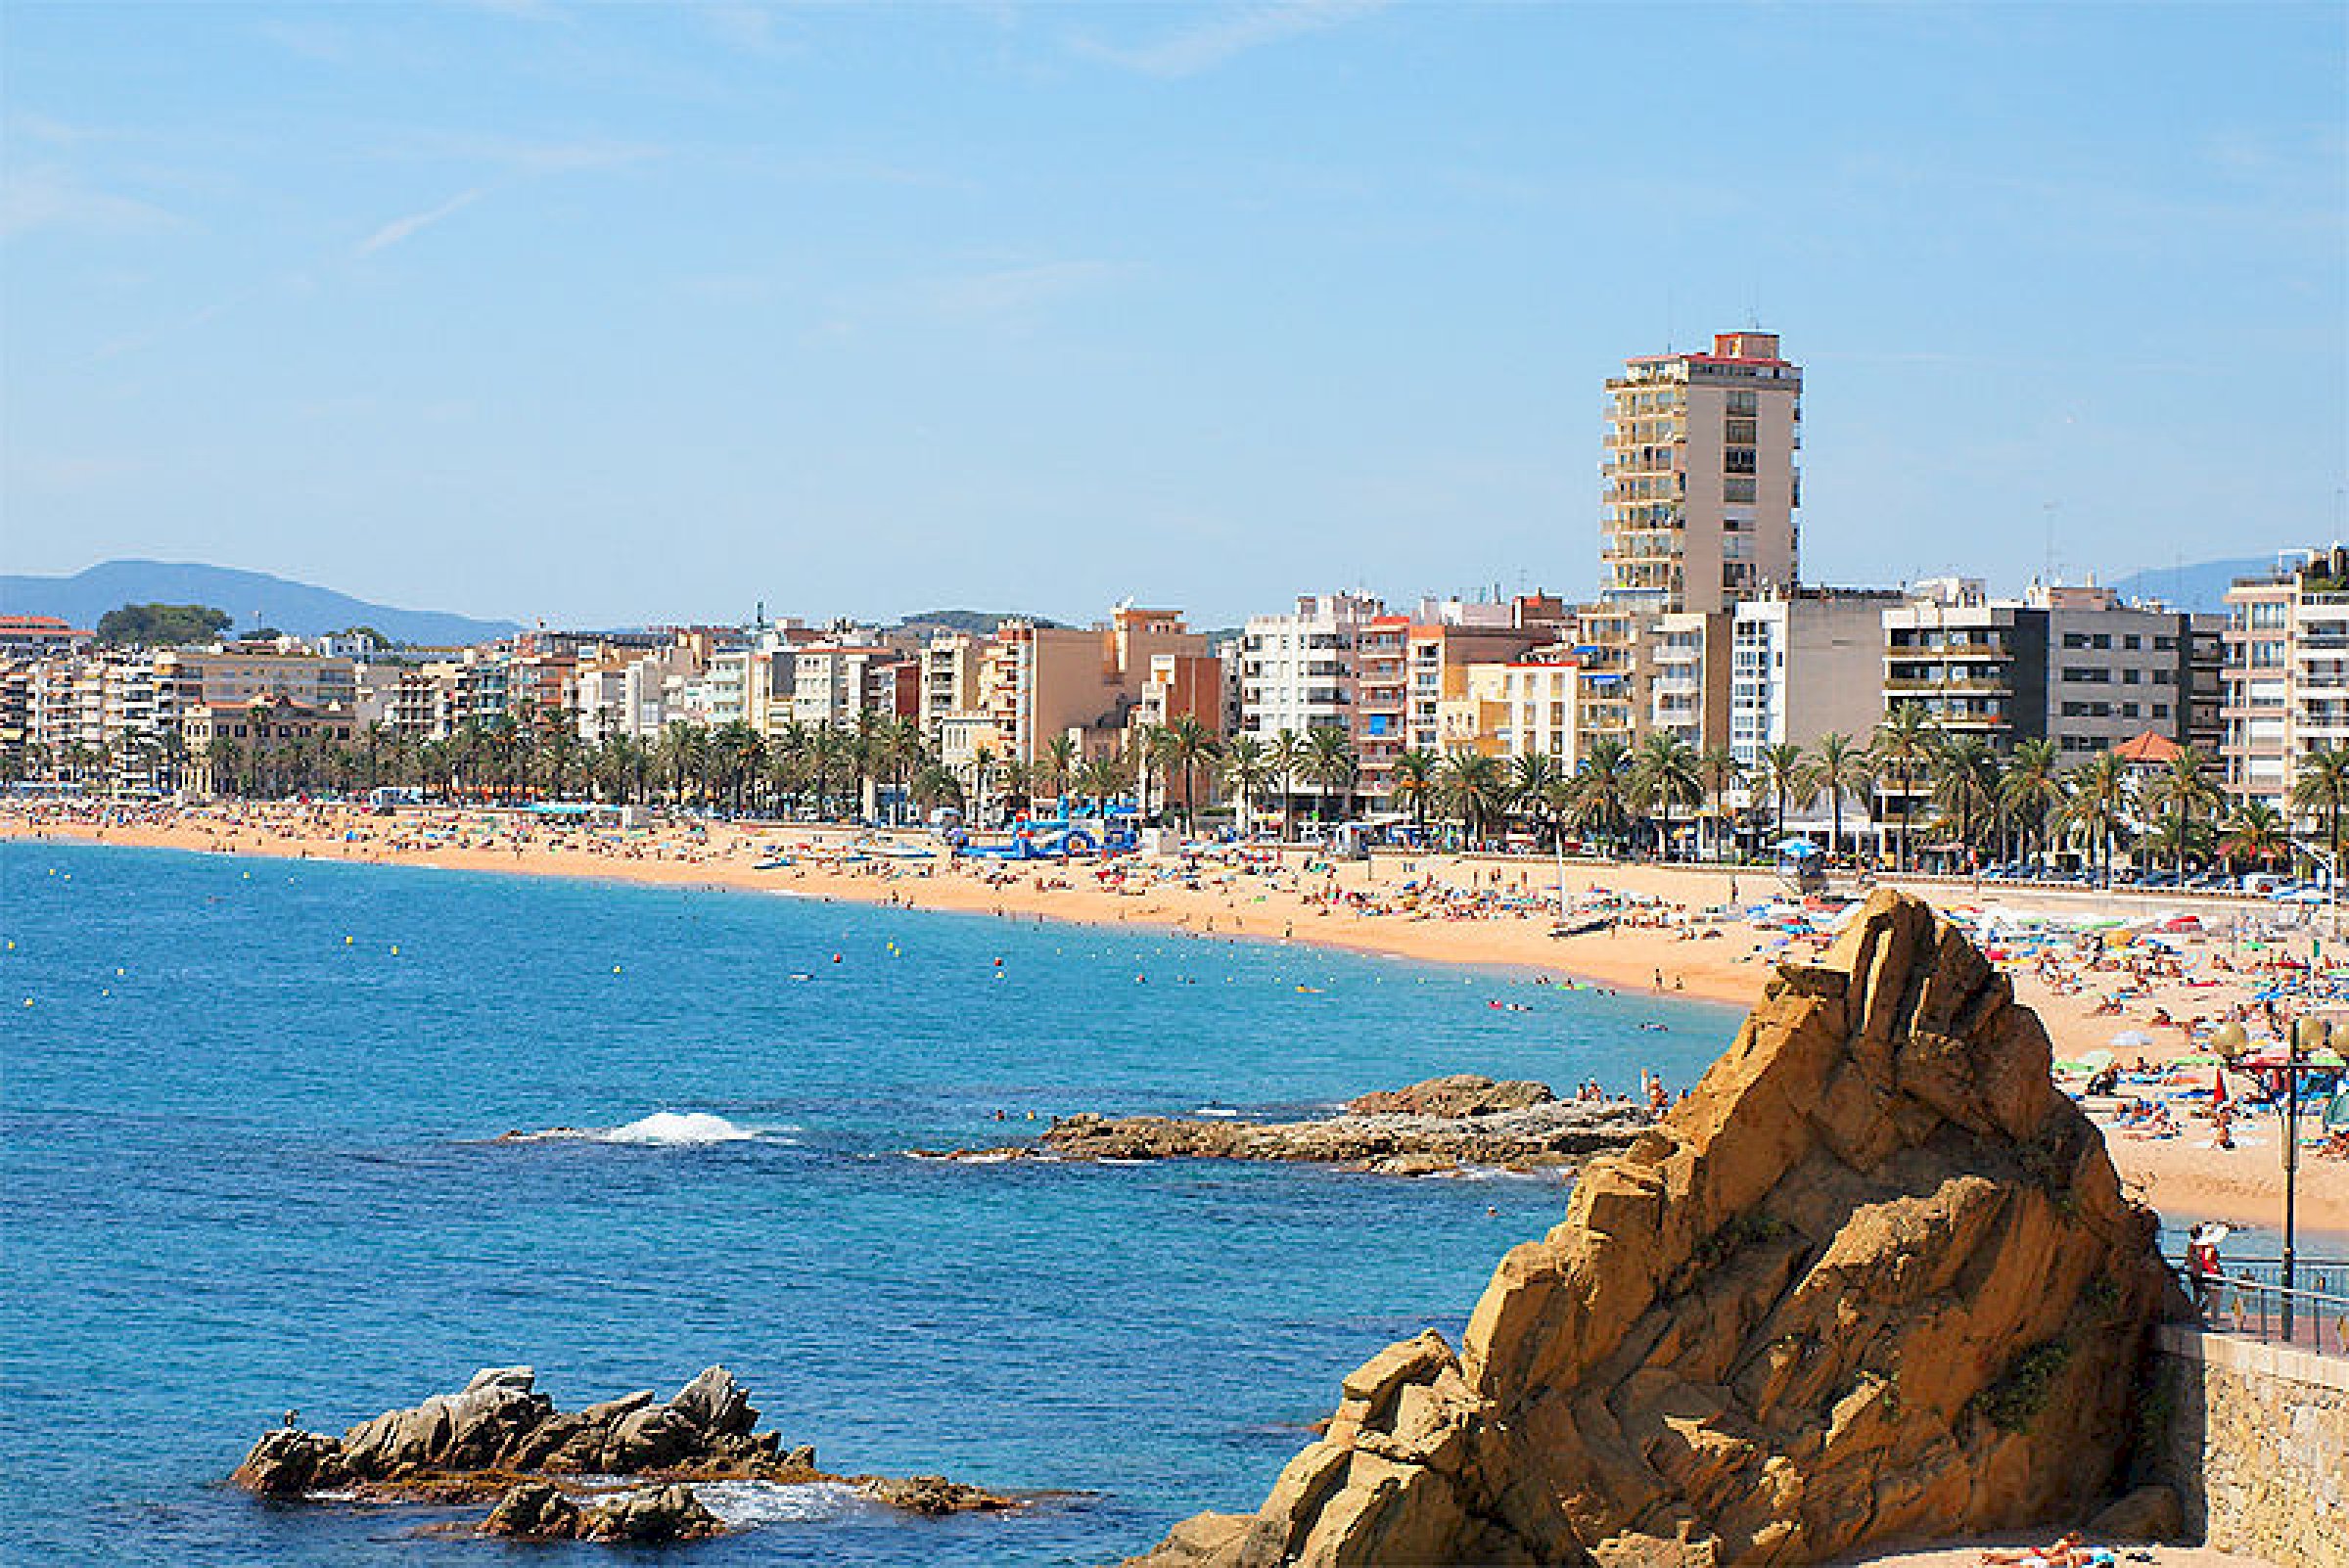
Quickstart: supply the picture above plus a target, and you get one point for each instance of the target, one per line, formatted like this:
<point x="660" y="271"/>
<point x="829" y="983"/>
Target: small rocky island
<point x="1429" y="1128"/>
<point x="498" y="1440"/>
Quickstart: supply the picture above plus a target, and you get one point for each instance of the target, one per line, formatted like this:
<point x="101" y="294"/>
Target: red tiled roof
<point x="2150" y="747"/>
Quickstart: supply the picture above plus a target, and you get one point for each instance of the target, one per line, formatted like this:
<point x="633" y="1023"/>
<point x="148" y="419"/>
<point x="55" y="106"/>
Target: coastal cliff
<point x="1874" y="1279"/>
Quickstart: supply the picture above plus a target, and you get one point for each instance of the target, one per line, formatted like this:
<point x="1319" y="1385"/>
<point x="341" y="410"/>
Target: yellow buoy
<point x="395" y="949"/>
<point x="616" y="969"/>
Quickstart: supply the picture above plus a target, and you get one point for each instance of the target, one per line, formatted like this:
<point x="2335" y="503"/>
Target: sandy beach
<point x="1664" y="931"/>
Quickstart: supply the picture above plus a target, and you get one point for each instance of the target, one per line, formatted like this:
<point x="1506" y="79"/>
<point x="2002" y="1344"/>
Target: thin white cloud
<point x="1227" y="32"/>
<point x="46" y="198"/>
<point x="515" y="154"/>
<point x="406" y="228"/>
<point x="1016" y="291"/>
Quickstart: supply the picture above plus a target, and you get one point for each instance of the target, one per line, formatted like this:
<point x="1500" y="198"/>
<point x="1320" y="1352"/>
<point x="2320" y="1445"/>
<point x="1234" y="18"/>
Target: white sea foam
<point x="678" y="1129"/>
<point x="747" y="1504"/>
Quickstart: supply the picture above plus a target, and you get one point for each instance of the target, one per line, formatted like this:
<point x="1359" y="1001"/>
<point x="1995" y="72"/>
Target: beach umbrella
<point x="2230" y="1041"/>
<point x="2218" y="1086"/>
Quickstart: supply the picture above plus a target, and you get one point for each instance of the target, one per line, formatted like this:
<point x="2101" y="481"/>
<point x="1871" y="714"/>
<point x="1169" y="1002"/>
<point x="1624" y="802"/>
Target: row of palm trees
<point x="1913" y="775"/>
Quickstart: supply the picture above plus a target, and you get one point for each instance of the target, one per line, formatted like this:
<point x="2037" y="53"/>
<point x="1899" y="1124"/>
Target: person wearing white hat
<point x="2203" y="1263"/>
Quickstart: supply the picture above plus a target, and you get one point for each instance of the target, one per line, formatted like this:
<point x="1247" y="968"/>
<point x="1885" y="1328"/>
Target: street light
<point x="2308" y="1031"/>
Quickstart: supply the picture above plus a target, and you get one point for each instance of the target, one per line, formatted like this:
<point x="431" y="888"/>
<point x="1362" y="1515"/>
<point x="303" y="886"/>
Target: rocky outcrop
<point x="499" y="1437"/>
<point x="1456" y="1094"/>
<point x="1425" y="1130"/>
<point x="499" y="1425"/>
<point x="538" y="1510"/>
<point x="1873" y="1280"/>
<point x="932" y="1494"/>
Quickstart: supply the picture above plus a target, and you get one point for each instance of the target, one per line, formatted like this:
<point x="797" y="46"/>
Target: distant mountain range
<point x="2196" y="585"/>
<point x="254" y="598"/>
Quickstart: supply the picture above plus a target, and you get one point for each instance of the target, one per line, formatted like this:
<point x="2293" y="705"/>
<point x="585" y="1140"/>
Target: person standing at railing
<point x="2202" y="1267"/>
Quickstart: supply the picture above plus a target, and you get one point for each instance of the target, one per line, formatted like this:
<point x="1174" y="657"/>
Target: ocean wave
<point x="747" y="1504"/>
<point x="677" y="1128"/>
<point x="663" y="1130"/>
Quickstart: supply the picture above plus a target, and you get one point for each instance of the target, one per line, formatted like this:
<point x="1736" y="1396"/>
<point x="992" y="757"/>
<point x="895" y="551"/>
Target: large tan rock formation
<point x="1873" y="1280"/>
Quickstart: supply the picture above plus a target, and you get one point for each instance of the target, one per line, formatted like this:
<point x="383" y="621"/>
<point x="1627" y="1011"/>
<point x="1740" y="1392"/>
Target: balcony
<point x="1927" y="688"/>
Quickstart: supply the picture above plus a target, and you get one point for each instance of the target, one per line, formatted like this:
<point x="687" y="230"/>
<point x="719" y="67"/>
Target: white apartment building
<point x="1298" y="671"/>
<point x="1804" y="666"/>
<point x="832" y="684"/>
<point x="2285" y="679"/>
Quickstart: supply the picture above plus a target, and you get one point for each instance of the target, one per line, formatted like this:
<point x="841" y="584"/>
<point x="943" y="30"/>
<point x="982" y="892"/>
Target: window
<point x="1743" y="402"/>
<point x="2131" y="640"/>
<point x="1737" y="460"/>
<point x="1736" y="489"/>
<point x="1742" y="432"/>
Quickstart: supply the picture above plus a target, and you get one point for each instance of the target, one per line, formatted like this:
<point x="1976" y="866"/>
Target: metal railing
<point x="2248" y="1298"/>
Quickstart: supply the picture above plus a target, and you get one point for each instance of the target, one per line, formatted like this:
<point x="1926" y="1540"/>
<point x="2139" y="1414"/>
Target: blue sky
<point x="600" y="313"/>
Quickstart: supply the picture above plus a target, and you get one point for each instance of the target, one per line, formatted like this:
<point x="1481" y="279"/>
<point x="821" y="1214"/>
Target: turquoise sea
<point x="245" y="1164"/>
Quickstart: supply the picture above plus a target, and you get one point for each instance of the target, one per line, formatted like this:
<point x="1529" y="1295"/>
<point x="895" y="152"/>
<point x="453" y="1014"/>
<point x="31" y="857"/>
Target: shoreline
<point x="1419" y="907"/>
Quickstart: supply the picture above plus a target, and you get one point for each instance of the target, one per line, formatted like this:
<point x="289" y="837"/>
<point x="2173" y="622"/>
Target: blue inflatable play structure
<point x="1065" y="838"/>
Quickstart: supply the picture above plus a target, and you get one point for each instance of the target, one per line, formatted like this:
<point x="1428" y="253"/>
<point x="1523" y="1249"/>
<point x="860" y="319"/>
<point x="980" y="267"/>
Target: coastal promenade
<point x="1667" y="933"/>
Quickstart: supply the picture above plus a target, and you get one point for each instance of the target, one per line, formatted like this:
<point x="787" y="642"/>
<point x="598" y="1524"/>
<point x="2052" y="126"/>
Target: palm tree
<point x="2032" y="788"/>
<point x="1965" y="784"/>
<point x="1287" y="762"/>
<point x="1147" y="748"/>
<point x="1190" y="743"/>
<point x="2322" y="786"/>
<point x="1839" y="767"/>
<point x="981" y="767"/>
<point x="1102" y="779"/>
<point x="1905" y="742"/>
<point x="221" y="754"/>
<point x="2256" y="832"/>
<point x="1415" y="778"/>
<point x="935" y="785"/>
<point x="1478" y="792"/>
<point x="1246" y="766"/>
<point x="2187" y="793"/>
<point x="2178" y="837"/>
<point x="1722" y="773"/>
<point x="1668" y="775"/>
<point x="1058" y="765"/>
<point x="1786" y="773"/>
<point x="864" y="745"/>
<point x="1330" y="761"/>
<point x="1602" y="786"/>
<point x="2099" y="805"/>
<point x="1018" y="782"/>
<point x="1531" y="775"/>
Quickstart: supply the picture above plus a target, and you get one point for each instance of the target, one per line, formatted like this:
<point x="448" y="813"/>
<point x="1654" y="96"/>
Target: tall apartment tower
<point x="1701" y="485"/>
<point x="1702" y="491"/>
